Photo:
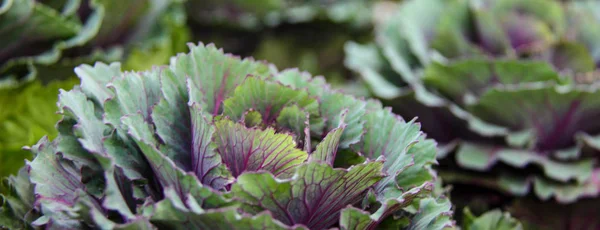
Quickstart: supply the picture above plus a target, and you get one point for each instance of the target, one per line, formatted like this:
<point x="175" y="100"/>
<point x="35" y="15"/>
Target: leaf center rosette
<point x="509" y="88"/>
<point x="216" y="142"/>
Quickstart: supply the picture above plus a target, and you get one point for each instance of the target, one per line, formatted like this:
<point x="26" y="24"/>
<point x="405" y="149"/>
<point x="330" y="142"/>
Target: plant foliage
<point x="217" y="142"/>
<point x="44" y="40"/>
<point x="508" y="87"/>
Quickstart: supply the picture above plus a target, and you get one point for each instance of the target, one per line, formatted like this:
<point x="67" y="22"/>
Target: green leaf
<point x="17" y="202"/>
<point x="334" y="108"/>
<point x="482" y="158"/>
<point x="433" y="214"/>
<point x="407" y="155"/>
<point x="417" y="19"/>
<point x="573" y="57"/>
<point x="165" y="40"/>
<point x="389" y="136"/>
<point x="374" y="69"/>
<point x="475" y="77"/>
<point x="326" y="150"/>
<point x="135" y="93"/>
<point x="267" y="98"/>
<point x="296" y="120"/>
<point x="354" y="219"/>
<point x="583" y="15"/>
<point x="338" y="109"/>
<point x="89" y="128"/>
<point x="121" y="201"/>
<point x="494" y="219"/>
<point x="94" y="80"/>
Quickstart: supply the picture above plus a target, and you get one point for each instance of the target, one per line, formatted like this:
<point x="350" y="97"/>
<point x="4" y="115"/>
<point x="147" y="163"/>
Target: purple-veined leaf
<point x="173" y="213"/>
<point x="267" y="98"/>
<point x="58" y="185"/>
<point x="165" y="170"/>
<point x="314" y="197"/>
<point x="213" y="75"/>
<point x="250" y="149"/>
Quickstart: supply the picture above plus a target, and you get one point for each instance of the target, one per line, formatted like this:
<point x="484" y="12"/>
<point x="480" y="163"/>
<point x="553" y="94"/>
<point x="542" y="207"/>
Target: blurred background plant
<point x="508" y="88"/>
<point x="44" y="40"/>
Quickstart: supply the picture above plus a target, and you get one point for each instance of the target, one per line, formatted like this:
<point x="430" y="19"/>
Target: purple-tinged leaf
<point x="314" y="197"/>
<point x="205" y="160"/>
<point x="250" y="149"/>
<point x="526" y="33"/>
<point x="555" y="113"/>
<point x="171" y="117"/>
<point x="165" y="170"/>
<point x="214" y="76"/>
<point x="297" y="121"/>
<point x="173" y="213"/>
<point x="58" y="184"/>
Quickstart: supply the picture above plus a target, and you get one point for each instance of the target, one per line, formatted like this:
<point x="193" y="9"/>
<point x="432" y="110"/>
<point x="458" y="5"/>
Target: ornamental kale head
<point x="509" y="88"/>
<point x="216" y="142"/>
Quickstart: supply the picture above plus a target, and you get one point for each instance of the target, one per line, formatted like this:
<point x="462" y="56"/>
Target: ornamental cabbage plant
<point x="213" y="141"/>
<point x="509" y="88"/>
